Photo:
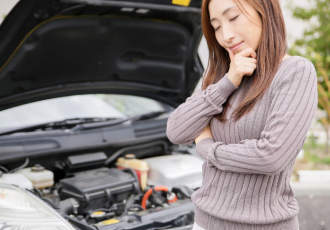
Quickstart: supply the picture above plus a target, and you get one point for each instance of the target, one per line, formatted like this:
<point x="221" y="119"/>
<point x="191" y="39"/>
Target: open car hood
<point x="53" y="48"/>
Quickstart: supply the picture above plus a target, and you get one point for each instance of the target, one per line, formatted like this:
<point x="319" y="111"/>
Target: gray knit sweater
<point x="246" y="175"/>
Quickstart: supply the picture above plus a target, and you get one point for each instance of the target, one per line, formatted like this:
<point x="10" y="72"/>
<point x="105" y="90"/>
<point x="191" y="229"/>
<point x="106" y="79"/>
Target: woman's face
<point x="233" y="30"/>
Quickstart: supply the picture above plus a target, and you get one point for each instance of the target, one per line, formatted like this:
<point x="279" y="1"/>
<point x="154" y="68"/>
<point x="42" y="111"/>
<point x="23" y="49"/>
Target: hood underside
<point x="57" y="48"/>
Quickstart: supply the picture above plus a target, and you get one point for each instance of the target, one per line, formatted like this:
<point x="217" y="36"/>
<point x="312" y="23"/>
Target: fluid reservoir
<point x="139" y="166"/>
<point x="16" y="179"/>
<point x="38" y="175"/>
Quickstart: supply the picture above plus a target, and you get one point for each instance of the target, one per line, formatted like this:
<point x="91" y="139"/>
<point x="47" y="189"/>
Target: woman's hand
<point x="243" y="63"/>
<point x="204" y="134"/>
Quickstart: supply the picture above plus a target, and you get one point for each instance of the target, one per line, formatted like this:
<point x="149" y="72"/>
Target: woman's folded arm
<point x="191" y="117"/>
<point x="293" y="105"/>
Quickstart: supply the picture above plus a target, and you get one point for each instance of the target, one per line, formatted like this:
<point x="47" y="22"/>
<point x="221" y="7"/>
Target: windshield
<point x="79" y="106"/>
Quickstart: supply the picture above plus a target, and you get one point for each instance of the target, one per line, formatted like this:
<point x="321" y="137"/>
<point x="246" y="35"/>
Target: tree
<point x="315" y="46"/>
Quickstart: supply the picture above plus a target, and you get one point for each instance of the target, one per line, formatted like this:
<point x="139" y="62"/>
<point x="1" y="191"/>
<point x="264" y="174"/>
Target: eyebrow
<point x="224" y="12"/>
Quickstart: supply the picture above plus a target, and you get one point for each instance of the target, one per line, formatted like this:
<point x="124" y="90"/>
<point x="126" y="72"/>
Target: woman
<point x="249" y="120"/>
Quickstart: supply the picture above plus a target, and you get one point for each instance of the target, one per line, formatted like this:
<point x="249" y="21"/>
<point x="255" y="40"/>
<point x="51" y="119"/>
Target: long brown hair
<point x="271" y="49"/>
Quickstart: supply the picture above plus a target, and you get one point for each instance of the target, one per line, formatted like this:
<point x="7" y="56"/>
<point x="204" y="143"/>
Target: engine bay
<point x="122" y="190"/>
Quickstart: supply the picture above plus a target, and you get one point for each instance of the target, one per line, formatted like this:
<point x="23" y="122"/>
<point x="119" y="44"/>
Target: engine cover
<point x="99" y="188"/>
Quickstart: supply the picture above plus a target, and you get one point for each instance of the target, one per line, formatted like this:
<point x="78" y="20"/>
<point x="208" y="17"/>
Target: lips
<point x="235" y="46"/>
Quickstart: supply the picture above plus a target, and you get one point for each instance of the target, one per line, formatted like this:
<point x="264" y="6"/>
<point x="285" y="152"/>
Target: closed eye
<point x="229" y="20"/>
<point x="233" y="18"/>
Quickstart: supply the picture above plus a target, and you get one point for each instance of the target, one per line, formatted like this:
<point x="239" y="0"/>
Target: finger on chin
<point x="231" y="54"/>
<point x="248" y="52"/>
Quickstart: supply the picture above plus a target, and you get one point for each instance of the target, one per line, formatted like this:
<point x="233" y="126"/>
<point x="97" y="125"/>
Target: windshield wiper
<point x="77" y="124"/>
<point x="63" y="124"/>
<point x="116" y="122"/>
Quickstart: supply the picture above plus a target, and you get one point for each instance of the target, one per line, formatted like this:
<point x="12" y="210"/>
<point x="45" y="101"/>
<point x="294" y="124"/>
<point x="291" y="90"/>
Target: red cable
<point x="149" y="192"/>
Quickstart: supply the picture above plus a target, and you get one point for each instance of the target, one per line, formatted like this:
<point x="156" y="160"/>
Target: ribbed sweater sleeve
<point x="292" y="107"/>
<point x="191" y="117"/>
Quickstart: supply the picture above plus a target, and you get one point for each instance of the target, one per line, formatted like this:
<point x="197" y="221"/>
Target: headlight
<point x="20" y="210"/>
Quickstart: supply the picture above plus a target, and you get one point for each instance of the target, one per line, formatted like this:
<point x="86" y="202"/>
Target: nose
<point x="228" y="34"/>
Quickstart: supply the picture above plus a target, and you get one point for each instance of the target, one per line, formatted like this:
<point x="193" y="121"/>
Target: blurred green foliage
<point x="311" y="148"/>
<point x="315" y="46"/>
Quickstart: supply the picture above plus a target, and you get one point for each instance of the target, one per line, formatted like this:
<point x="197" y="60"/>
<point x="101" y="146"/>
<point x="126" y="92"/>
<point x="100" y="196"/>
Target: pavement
<point x="314" y="205"/>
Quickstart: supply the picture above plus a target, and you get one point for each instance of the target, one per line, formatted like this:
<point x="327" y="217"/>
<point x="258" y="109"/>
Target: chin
<point x="239" y="50"/>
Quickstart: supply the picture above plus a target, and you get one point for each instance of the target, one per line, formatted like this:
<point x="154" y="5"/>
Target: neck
<point x="285" y="56"/>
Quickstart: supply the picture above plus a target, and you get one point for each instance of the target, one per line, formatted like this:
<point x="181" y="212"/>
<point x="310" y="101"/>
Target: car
<point x="86" y="89"/>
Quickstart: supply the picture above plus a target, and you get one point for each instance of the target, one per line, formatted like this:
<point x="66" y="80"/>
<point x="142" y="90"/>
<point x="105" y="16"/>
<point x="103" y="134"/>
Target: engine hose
<point x="20" y="167"/>
<point x="128" y="204"/>
<point x="117" y="154"/>
<point x="149" y="192"/>
<point x="4" y="169"/>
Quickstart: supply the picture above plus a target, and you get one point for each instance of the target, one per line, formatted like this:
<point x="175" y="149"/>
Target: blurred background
<point x="308" y="29"/>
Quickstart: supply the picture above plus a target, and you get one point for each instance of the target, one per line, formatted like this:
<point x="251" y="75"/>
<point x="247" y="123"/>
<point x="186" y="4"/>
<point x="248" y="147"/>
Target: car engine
<point x="95" y="193"/>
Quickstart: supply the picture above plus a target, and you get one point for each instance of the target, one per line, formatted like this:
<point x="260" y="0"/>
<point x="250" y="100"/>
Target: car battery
<point x="99" y="188"/>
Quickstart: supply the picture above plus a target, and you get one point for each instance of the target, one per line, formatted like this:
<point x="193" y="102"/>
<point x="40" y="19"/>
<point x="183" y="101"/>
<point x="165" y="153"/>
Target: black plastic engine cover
<point x="99" y="188"/>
